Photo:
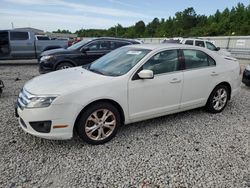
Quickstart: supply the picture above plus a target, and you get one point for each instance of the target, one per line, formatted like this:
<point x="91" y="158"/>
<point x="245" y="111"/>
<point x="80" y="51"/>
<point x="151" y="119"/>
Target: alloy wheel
<point x="100" y="124"/>
<point x="220" y="99"/>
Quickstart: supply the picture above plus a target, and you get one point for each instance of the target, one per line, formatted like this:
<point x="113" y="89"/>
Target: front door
<point x="154" y="97"/>
<point x="22" y="46"/>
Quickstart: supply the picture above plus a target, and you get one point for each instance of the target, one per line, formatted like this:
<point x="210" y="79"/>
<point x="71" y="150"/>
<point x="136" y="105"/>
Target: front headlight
<point x="40" y="102"/>
<point x="46" y="57"/>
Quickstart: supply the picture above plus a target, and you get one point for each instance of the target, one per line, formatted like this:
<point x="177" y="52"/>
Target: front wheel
<point x="218" y="99"/>
<point x="99" y="123"/>
<point x="63" y="66"/>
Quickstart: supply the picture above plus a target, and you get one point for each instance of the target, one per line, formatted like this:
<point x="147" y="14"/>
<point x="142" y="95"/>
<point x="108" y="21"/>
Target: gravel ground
<point x="189" y="149"/>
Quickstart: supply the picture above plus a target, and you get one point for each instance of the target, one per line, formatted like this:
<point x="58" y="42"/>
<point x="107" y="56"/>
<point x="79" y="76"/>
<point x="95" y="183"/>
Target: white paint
<point x="140" y="99"/>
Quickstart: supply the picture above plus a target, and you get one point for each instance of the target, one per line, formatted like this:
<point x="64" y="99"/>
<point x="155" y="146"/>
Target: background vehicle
<point x="1" y="87"/>
<point x="42" y="37"/>
<point x="127" y="85"/>
<point x="205" y="44"/>
<point x="246" y="76"/>
<point x="176" y="40"/>
<point x="16" y="44"/>
<point x="81" y="53"/>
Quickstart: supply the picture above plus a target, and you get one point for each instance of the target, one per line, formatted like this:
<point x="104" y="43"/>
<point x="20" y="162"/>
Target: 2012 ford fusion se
<point x="130" y="84"/>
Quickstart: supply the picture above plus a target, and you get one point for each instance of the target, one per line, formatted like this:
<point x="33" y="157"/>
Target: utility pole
<point x="116" y="31"/>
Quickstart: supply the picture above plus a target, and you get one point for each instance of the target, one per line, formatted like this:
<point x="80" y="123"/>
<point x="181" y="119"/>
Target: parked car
<point x="246" y="76"/>
<point x="130" y="84"/>
<point x="16" y="44"/>
<point x="81" y="53"/>
<point x="206" y="44"/>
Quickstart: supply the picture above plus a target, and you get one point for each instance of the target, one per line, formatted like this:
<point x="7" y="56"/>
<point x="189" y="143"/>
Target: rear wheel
<point x="63" y="66"/>
<point x="218" y="99"/>
<point x="99" y="123"/>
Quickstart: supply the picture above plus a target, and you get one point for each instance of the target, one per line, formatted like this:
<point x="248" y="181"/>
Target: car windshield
<point x="79" y="44"/>
<point x="118" y="62"/>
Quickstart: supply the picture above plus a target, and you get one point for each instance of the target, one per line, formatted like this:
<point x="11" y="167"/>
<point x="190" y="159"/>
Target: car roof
<point x="158" y="46"/>
<point x="195" y="39"/>
<point x="163" y="46"/>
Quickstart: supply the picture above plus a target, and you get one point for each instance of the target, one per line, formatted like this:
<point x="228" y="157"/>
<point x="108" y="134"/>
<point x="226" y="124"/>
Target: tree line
<point x="234" y="21"/>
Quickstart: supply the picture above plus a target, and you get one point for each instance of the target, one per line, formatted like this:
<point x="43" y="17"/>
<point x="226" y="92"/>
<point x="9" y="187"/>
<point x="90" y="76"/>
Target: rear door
<point x="21" y="44"/>
<point x="199" y="77"/>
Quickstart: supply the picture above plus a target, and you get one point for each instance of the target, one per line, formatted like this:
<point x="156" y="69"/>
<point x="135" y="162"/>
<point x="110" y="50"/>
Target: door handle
<point x="175" y="80"/>
<point x="214" y="74"/>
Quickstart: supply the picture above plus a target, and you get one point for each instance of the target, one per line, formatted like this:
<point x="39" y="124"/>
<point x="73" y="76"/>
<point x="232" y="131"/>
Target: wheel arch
<point x="227" y="84"/>
<point x="114" y="103"/>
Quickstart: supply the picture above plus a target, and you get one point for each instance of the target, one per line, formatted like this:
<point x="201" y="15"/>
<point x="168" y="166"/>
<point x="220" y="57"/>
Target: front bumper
<point x="246" y="77"/>
<point x="45" y="66"/>
<point x="57" y="114"/>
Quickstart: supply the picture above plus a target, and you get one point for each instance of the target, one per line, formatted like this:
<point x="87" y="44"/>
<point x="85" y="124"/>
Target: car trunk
<point x="4" y="44"/>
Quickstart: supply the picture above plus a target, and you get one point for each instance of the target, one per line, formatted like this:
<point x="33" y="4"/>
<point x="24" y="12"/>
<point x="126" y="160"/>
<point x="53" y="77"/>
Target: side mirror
<point x="218" y="49"/>
<point x="84" y="49"/>
<point x="146" y="74"/>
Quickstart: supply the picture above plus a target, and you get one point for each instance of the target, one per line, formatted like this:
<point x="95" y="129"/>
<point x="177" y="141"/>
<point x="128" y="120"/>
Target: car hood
<point x="57" y="51"/>
<point x="64" y="81"/>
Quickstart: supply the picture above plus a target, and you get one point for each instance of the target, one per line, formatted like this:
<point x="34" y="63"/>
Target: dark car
<point x="246" y="76"/>
<point x="81" y="53"/>
<point x="1" y="87"/>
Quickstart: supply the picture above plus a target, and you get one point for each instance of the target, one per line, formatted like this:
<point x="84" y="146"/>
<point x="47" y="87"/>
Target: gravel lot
<point x="189" y="149"/>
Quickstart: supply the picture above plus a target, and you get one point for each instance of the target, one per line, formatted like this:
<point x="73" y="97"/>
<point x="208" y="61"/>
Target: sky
<point x="50" y="15"/>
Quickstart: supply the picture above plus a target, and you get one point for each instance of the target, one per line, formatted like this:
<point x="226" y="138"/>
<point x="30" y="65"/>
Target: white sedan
<point x="130" y="84"/>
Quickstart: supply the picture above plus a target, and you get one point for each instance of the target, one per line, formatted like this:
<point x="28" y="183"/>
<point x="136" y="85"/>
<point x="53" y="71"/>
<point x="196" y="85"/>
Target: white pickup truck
<point x="16" y="44"/>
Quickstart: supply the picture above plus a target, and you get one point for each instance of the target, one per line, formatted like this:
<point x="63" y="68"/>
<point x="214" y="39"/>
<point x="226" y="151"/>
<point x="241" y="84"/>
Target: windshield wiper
<point x="95" y="71"/>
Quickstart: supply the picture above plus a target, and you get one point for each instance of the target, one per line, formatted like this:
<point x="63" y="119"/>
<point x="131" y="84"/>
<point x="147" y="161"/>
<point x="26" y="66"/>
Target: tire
<point x="65" y="65"/>
<point x="94" y="127"/>
<point x="218" y="99"/>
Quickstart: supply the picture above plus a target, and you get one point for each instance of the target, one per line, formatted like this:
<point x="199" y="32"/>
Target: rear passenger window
<point x="199" y="43"/>
<point x="115" y="44"/>
<point x="14" y="35"/>
<point x="99" y="45"/>
<point x="163" y="62"/>
<point x="189" y="42"/>
<point x="197" y="59"/>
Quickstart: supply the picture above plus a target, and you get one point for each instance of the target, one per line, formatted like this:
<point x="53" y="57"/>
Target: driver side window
<point x="163" y="62"/>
